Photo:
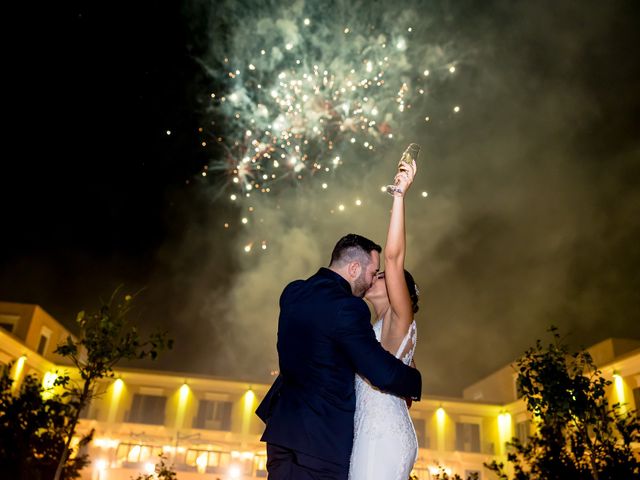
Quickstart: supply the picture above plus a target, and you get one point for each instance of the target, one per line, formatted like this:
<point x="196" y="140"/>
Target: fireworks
<point x="303" y="95"/>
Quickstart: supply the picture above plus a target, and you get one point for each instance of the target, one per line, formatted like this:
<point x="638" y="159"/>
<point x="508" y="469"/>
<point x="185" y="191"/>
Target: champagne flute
<point x="409" y="155"/>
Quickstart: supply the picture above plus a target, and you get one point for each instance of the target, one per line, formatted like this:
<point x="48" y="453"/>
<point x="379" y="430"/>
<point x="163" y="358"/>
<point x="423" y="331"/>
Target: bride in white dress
<point x="385" y="445"/>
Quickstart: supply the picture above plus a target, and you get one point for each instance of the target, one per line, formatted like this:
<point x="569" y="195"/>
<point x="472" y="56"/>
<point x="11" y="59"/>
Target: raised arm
<point x="401" y="314"/>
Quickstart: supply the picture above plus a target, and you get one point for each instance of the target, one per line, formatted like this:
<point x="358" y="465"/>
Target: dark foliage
<point x="578" y="434"/>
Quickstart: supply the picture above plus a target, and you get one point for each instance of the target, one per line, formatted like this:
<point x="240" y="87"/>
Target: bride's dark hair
<point x="413" y="291"/>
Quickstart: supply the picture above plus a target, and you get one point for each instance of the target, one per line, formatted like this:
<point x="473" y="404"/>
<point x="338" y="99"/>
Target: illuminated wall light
<point x="504" y="430"/>
<point x="19" y="367"/>
<point x="183" y="397"/>
<point x="150" y="468"/>
<point x="618" y="383"/>
<point x="17" y="372"/>
<point x="440" y="430"/>
<point x="116" y="393"/>
<point x="249" y="399"/>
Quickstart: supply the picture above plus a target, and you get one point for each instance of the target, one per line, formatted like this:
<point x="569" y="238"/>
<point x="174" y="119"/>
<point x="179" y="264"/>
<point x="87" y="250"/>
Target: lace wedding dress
<point x="385" y="446"/>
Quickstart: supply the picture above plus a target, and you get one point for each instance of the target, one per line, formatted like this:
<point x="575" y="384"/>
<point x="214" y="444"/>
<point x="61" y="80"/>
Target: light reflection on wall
<point x="441" y="418"/>
<point x="247" y="412"/>
<point x="183" y="397"/>
<point x="17" y="371"/>
<point x="618" y="383"/>
<point x="504" y="432"/>
<point x="116" y="393"/>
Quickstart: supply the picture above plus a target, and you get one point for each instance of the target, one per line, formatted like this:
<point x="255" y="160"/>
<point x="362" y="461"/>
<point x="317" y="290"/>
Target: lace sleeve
<point x="408" y="346"/>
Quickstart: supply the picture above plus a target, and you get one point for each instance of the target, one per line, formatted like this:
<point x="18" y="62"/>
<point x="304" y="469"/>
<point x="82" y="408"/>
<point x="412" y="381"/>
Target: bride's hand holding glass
<point x="409" y="157"/>
<point x="404" y="178"/>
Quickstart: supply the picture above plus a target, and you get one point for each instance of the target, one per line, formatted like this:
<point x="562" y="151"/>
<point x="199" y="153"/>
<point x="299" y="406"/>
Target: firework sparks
<point x="294" y="109"/>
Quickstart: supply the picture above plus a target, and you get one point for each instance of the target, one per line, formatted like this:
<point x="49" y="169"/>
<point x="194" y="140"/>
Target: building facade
<point x="206" y="427"/>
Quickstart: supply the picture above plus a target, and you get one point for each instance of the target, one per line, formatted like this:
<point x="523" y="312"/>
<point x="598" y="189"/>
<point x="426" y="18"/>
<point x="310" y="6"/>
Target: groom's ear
<point x="354" y="269"/>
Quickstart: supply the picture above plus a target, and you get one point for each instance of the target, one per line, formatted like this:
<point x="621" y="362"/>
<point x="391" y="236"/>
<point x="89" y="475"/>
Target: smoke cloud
<point x="531" y="215"/>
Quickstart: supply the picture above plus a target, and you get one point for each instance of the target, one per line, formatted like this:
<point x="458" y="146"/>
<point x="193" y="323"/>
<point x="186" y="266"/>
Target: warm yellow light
<point x="105" y="443"/>
<point x="201" y="463"/>
<point x="618" y="382"/>
<point x="116" y="393"/>
<point x="247" y="412"/>
<point x="134" y="453"/>
<point x="47" y="384"/>
<point x="438" y="469"/>
<point x="18" y="368"/>
<point x="504" y="428"/>
<point x="117" y="386"/>
<point x="504" y="432"/>
<point x="183" y="397"/>
<point x="440" y="428"/>
<point x="101" y="464"/>
<point x="234" y="471"/>
<point x="184" y="392"/>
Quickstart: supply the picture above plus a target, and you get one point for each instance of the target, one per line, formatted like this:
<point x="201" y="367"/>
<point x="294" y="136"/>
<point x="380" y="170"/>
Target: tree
<point x="162" y="471"/>
<point x="578" y="435"/>
<point x="442" y="475"/>
<point x="106" y="338"/>
<point x="32" y="425"/>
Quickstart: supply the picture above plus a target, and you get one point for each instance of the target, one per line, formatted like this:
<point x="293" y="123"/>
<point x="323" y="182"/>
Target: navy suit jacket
<point x="324" y="337"/>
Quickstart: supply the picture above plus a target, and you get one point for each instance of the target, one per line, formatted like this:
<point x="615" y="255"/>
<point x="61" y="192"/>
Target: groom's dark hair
<point x="353" y="247"/>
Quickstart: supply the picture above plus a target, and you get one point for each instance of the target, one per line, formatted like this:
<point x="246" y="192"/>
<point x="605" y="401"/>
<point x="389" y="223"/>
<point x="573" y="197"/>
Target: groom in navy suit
<point x="324" y="338"/>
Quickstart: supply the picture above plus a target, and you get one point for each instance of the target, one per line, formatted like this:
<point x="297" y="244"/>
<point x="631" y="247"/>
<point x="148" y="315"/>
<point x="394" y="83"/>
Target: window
<point x="523" y="430"/>
<point x="214" y="415"/>
<point x="8" y="322"/>
<point x="467" y="437"/>
<point x="147" y="409"/>
<point x="128" y="453"/>
<point x="421" y="430"/>
<point x="213" y="461"/>
<point x="45" y="334"/>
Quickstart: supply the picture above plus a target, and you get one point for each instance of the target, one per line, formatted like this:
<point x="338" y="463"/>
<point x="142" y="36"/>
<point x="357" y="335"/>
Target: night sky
<point x="533" y="209"/>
